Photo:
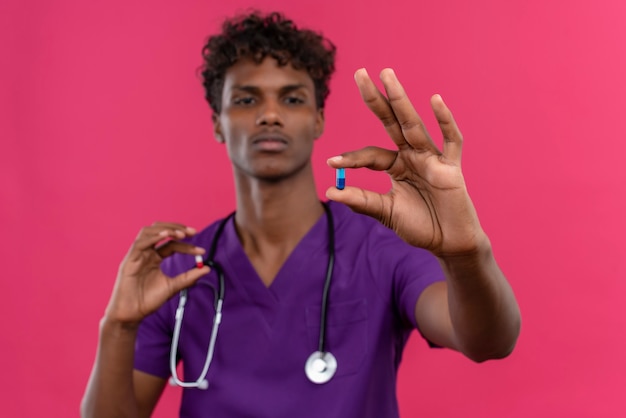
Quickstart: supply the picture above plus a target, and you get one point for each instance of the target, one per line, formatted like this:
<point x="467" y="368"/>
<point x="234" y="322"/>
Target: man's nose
<point x="270" y="114"/>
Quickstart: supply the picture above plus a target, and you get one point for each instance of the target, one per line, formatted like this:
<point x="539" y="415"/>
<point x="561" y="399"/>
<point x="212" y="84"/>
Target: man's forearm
<point x="483" y="309"/>
<point x="110" y="391"/>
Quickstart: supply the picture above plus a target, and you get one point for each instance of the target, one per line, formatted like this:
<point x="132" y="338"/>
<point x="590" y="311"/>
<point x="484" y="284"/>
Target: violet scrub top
<point x="267" y="334"/>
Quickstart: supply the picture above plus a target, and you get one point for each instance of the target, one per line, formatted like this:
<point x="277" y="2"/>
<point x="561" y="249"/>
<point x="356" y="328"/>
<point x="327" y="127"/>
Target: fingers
<point x="401" y="120"/>
<point x="374" y="158"/>
<point x="410" y="123"/>
<point x="380" y="106"/>
<point x="452" y="138"/>
<point x="360" y="200"/>
<point x="172" y="247"/>
<point x="160" y="232"/>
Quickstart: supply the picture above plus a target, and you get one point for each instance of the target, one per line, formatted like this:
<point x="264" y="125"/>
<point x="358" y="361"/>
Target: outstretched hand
<point x="428" y="205"/>
<point x="141" y="287"/>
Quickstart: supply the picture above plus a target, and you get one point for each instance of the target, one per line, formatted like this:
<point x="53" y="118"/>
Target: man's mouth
<point x="269" y="143"/>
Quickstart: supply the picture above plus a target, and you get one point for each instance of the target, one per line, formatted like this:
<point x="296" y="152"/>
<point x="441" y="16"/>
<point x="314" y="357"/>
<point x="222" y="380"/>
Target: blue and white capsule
<point x="340" y="178"/>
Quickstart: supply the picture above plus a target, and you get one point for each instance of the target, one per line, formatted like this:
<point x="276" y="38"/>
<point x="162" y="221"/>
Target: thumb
<point x="187" y="279"/>
<point x="359" y="200"/>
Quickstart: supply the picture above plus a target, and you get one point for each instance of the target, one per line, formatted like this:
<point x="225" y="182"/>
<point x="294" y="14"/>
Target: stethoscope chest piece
<point x="320" y="367"/>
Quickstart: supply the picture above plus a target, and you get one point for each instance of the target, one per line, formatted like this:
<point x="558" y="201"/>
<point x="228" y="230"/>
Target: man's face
<point x="269" y="119"/>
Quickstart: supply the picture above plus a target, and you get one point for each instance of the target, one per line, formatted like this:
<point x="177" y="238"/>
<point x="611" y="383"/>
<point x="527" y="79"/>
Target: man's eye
<point x="293" y="100"/>
<point x="243" y="101"/>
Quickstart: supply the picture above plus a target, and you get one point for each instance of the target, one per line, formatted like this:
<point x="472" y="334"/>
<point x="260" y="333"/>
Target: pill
<point x="199" y="261"/>
<point x="340" y="181"/>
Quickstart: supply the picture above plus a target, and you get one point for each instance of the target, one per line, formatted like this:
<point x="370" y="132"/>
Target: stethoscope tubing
<point x="329" y="274"/>
<point x="201" y="382"/>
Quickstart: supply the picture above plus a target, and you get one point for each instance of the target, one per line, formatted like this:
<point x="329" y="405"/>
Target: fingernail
<point x="387" y="71"/>
<point x="335" y="159"/>
<point x="190" y="230"/>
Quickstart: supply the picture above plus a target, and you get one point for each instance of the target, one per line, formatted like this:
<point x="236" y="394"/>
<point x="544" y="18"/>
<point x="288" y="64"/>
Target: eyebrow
<point x="256" y="90"/>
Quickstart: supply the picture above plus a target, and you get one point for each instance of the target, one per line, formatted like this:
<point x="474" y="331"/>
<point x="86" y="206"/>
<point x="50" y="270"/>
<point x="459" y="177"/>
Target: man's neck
<point x="278" y="210"/>
<point x="272" y="218"/>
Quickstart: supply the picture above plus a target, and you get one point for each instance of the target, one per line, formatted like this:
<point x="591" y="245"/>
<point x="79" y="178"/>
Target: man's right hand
<point x="141" y="287"/>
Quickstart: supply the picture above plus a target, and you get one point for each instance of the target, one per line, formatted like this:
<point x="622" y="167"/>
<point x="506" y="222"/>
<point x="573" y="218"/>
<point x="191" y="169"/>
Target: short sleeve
<point x="418" y="270"/>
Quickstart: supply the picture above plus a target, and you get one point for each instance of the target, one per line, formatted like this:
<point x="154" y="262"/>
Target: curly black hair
<point x="256" y="36"/>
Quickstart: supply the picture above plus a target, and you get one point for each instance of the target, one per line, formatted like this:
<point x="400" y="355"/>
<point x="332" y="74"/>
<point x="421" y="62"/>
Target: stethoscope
<point x="320" y="366"/>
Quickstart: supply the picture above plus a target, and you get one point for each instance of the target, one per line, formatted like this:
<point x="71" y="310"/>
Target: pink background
<point x="103" y="129"/>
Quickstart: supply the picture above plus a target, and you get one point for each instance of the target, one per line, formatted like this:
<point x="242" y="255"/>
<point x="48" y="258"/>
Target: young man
<point x="318" y="301"/>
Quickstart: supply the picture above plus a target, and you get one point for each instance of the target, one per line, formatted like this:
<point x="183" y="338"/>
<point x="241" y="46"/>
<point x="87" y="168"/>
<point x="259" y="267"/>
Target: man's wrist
<point x="477" y="257"/>
<point x="109" y="324"/>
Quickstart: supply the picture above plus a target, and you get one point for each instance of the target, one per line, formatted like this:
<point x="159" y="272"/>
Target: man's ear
<point x="217" y="128"/>
<point x="319" y="124"/>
